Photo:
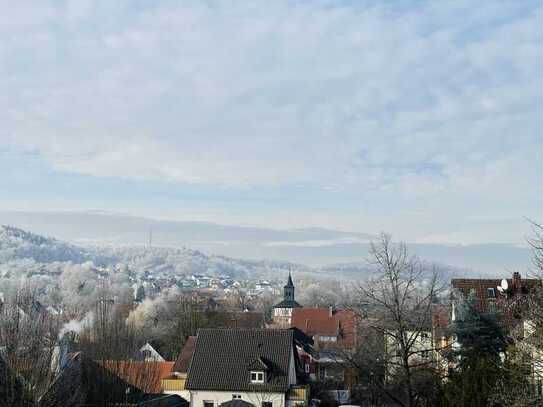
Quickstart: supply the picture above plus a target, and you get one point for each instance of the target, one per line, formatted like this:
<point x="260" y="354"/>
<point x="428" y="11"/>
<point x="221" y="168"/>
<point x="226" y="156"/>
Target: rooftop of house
<point x="84" y="382"/>
<point x="486" y="290"/>
<point x="146" y="376"/>
<point x="223" y="359"/>
<point x="236" y="403"/>
<point x="235" y="319"/>
<point x="164" y="400"/>
<point x="490" y="295"/>
<point x="318" y="322"/>
<point x="287" y="304"/>
<point x="183" y="360"/>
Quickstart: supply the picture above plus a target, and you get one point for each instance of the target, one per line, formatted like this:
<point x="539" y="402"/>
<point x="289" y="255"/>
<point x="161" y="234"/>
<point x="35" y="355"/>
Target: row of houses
<point x="270" y="367"/>
<point x="274" y="365"/>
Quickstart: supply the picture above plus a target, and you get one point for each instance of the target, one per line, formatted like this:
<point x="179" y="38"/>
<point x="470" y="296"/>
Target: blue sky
<point x="419" y="118"/>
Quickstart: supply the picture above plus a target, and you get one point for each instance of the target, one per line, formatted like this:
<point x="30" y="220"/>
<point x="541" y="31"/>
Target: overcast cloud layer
<point x="420" y="118"/>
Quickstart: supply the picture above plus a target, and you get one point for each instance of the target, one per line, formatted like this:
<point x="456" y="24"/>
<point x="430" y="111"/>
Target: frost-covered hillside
<point x="19" y="244"/>
<point x="70" y="275"/>
<point x="25" y="252"/>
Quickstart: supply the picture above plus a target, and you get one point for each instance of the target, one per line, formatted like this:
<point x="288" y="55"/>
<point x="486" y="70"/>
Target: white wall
<point x="199" y="396"/>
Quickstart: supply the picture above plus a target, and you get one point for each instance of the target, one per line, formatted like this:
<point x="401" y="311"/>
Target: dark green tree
<point x="478" y="359"/>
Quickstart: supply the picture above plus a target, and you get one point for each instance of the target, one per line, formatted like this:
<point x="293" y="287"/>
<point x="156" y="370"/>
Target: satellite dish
<point x="505" y="286"/>
<point x="500" y="289"/>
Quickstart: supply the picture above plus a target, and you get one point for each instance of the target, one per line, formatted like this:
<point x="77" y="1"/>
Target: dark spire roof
<point x="289" y="282"/>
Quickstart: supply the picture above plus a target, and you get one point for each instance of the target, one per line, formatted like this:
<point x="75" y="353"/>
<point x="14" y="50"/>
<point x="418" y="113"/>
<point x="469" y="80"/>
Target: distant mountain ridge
<point x="316" y="247"/>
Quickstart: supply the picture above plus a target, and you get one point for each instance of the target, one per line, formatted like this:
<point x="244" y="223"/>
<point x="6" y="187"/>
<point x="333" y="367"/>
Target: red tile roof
<point x="183" y="360"/>
<point x="146" y="376"/>
<point x="488" y="296"/>
<point x="518" y="287"/>
<point x="322" y="322"/>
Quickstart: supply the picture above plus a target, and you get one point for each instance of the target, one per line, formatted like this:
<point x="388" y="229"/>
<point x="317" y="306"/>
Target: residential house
<point x="335" y="336"/>
<point x="489" y="295"/>
<point x="149" y="353"/>
<point x="145" y="376"/>
<point x="85" y="382"/>
<point x="176" y="382"/>
<point x="421" y="347"/>
<point x="242" y="367"/>
<point x="507" y="298"/>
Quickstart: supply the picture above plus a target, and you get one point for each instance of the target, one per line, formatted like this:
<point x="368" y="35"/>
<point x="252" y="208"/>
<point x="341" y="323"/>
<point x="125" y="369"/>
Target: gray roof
<point x="223" y="359"/>
<point x="162" y="400"/>
<point x="287" y="304"/>
<point x="236" y="403"/>
<point x="85" y="382"/>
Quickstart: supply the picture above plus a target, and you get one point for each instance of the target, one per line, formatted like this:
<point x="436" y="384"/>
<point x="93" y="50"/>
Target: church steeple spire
<point x="289" y="282"/>
<point x="282" y="312"/>
<point x="288" y="290"/>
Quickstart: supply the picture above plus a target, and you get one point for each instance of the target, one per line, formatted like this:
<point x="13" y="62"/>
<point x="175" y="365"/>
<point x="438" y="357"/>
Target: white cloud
<point x="437" y="105"/>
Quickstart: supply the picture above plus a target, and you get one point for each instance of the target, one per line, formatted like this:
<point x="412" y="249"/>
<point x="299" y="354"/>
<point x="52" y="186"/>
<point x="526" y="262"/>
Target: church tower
<point x="288" y="290"/>
<point x="282" y="312"/>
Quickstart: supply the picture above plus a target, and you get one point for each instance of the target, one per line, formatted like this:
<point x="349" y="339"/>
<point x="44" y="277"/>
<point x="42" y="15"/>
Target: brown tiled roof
<point x="85" y="382"/>
<point x="507" y="304"/>
<point x="319" y="322"/>
<point x="222" y="358"/>
<point x="183" y="361"/>
<point x="146" y="376"/>
<point x="518" y="287"/>
<point x="235" y="319"/>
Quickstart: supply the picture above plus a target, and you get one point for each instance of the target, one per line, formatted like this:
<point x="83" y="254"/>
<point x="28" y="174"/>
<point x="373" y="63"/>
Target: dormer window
<point x="257" y="377"/>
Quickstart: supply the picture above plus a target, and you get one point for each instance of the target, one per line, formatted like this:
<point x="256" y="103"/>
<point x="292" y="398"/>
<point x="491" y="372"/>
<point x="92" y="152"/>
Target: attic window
<point x="257" y="377"/>
<point x="490" y="292"/>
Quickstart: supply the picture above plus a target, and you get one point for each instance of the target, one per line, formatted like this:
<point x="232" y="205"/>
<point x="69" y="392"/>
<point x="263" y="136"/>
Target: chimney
<point x="516" y="281"/>
<point x="331" y="311"/>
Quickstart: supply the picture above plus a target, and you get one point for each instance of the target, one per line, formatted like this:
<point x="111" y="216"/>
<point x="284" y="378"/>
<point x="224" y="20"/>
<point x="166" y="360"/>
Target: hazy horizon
<point x="421" y="119"/>
<point x="313" y="246"/>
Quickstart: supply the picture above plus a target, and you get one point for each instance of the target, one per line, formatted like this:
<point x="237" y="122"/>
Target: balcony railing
<point x="173" y="384"/>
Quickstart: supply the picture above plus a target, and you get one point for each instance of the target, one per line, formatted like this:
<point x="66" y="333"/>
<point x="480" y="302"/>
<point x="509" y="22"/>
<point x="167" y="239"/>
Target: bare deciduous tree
<point x="398" y="302"/>
<point x="28" y="335"/>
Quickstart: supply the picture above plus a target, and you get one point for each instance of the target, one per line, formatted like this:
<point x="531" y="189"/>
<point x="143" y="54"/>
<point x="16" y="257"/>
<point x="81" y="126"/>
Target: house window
<point x="208" y="403"/>
<point x="425" y="354"/>
<point x="307" y="367"/>
<point x="236" y="396"/>
<point x="257" y="377"/>
<point x="490" y="292"/>
<point x="267" y="404"/>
